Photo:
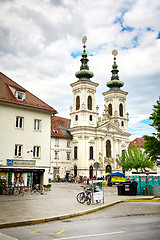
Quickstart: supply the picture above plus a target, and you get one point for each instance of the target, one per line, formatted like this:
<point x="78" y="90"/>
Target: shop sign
<point x="23" y="163"/>
<point x="9" y="162"/>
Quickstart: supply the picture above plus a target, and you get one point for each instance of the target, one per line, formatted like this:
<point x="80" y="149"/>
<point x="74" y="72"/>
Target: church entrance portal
<point x="108" y="169"/>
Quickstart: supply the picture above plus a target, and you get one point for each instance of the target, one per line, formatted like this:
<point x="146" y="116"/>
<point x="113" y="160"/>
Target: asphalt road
<point x="129" y="220"/>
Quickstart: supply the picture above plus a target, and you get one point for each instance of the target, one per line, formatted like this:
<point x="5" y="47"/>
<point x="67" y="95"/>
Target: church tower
<point x="84" y="115"/>
<point x="84" y="111"/>
<point x="115" y="99"/>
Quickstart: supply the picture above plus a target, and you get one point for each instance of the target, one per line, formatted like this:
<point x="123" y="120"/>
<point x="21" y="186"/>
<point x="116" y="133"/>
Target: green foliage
<point x="134" y="158"/>
<point x="47" y="186"/>
<point x="152" y="144"/>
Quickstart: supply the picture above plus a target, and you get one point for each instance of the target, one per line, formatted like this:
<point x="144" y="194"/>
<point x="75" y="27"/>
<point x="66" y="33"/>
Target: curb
<point x="67" y="216"/>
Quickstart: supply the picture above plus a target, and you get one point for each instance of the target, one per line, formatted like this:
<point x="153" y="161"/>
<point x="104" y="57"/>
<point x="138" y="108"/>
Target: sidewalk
<point x="57" y="204"/>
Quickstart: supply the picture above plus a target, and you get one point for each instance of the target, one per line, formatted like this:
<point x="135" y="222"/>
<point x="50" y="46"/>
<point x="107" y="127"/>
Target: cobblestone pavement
<point x="58" y="202"/>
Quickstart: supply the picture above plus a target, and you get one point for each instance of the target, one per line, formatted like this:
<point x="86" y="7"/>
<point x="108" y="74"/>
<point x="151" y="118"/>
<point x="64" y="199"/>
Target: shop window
<point x="89" y="103"/>
<point x="18" y="150"/>
<point x="37" y="124"/>
<point x="108" y="148"/>
<point x="110" y="109"/>
<point x="90" y="152"/>
<point x="75" y="152"/>
<point x="19" y="122"/>
<point x="77" y="102"/>
<point x="36" y="152"/>
<point x="121" y="109"/>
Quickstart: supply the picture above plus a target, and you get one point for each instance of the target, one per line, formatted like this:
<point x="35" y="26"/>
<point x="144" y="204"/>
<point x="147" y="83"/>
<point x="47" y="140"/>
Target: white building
<point x="97" y="139"/>
<point x="25" y="128"/>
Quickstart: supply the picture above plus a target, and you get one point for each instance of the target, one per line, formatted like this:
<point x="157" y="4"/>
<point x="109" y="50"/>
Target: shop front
<point x="22" y="176"/>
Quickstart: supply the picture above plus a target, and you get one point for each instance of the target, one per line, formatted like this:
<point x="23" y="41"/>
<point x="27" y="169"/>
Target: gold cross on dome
<point x="114" y="52"/>
<point x="84" y="40"/>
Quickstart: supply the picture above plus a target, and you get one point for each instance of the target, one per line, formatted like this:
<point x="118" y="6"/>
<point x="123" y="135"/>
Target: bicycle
<point x="19" y="191"/>
<point x="84" y="196"/>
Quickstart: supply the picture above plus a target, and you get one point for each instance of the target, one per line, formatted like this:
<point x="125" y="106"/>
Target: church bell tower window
<point x="110" y="109"/>
<point x="77" y="102"/>
<point x="89" y="103"/>
<point x="121" y="109"/>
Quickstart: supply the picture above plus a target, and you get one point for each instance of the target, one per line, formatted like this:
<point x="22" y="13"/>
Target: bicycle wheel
<point x="81" y="197"/>
<point x="21" y="193"/>
<point x="88" y="200"/>
<point x="16" y="192"/>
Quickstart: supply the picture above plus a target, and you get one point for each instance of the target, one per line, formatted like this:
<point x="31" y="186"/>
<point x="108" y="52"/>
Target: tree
<point x="123" y="161"/>
<point x="152" y="144"/>
<point x="134" y="158"/>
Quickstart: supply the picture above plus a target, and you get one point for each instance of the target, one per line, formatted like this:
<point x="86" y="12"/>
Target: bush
<point x="47" y="186"/>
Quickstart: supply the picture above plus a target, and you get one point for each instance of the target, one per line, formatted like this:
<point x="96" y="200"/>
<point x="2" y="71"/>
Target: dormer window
<point x="20" y="95"/>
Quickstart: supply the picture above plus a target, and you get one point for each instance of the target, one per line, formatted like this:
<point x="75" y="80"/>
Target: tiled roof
<point x="7" y="96"/>
<point x="59" y="127"/>
<point x="139" y="142"/>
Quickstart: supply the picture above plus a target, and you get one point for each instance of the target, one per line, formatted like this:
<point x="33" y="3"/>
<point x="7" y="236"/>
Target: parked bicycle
<point x="18" y="190"/>
<point x="84" y="196"/>
<point x="36" y="190"/>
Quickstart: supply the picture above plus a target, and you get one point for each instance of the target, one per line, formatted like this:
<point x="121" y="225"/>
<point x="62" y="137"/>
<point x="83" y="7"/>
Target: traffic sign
<point x="147" y="172"/>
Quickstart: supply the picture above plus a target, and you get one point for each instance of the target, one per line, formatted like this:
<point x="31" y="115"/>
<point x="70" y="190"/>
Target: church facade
<point x="97" y="139"/>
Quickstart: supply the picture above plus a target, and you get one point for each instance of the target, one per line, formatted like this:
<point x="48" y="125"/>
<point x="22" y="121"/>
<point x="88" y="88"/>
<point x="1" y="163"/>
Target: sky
<point x="41" y="47"/>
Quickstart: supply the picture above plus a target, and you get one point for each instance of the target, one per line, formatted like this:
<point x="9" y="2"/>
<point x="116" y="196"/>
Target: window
<point x="19" y="122"/>
<point x="75" y="152"/>
<point x="110" y="109"/>
<point x="121" y="109"/>
<point x="122" y="124"/>
<point x="89" y="103"/>
<point x="56" y="155"/>
<point x="77" y="103"/>
<point x="91" y="152"/>
<point x="18" y="150"/>
<point x="37" y="124"/>
<point x="68" y="155"/>
<point x="20" y="96"/>
<point x="36" y="152"/>
<point x="90" y="118"/>
<point x="68" y="144"/>
<point x="108" y="148"/>
<point x="76" y="117"/>
<point x="56" y="142"/>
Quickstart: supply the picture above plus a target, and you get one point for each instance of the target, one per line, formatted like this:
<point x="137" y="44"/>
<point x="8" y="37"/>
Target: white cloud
<point x="37" y="39"/>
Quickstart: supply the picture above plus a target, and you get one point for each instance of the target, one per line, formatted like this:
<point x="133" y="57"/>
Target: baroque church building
<point x="94" y="138"/>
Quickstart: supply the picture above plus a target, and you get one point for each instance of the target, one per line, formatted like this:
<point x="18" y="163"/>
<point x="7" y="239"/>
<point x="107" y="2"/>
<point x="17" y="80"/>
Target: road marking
<point x="93" y="235"/>
<point x="43" y="231"/>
